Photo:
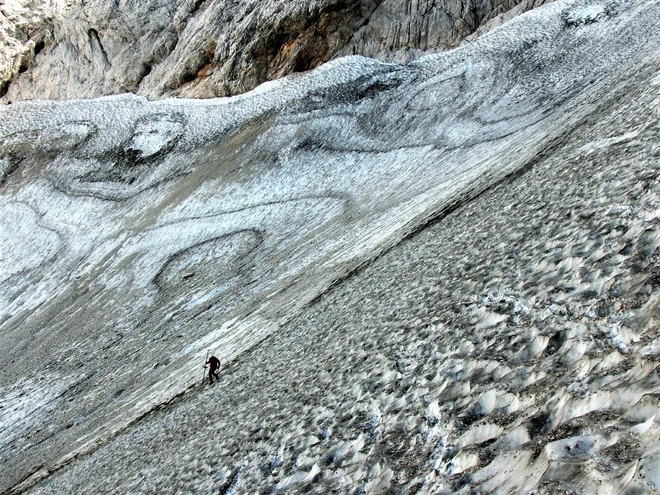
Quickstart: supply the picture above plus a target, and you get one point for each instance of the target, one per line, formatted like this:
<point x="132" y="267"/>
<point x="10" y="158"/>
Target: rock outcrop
<point x="210" y="48"/>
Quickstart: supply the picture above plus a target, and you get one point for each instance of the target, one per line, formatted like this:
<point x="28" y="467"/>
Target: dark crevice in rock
<point x="39" y="46"/>
<point x="94" y="37"/>
<point x="167" y="43"/>
<point x="201" y="68"/>
<point x="146" y="70"/>
<point x="24" y="66"/>
<point x="4" y="88"/>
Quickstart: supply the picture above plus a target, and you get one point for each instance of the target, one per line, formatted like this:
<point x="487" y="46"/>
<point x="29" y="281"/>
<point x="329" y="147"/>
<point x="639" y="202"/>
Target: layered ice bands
<point x="486" y="218"/>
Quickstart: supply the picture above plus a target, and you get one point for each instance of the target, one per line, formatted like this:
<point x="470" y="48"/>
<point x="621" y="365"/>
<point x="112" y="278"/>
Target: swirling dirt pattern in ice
<point x="332" y="168"/>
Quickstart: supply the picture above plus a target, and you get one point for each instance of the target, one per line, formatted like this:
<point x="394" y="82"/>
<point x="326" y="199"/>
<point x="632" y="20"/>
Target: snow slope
<point x="486" y="220"/>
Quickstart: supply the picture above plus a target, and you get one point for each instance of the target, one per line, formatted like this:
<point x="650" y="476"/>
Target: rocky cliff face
<point x="201" y="49"/>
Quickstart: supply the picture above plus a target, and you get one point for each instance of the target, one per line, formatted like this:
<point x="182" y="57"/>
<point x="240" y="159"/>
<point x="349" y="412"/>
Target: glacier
<point x="435" y="277"/>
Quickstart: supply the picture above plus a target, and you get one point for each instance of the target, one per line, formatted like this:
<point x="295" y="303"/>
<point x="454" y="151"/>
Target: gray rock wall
<point x="203" y="49"/>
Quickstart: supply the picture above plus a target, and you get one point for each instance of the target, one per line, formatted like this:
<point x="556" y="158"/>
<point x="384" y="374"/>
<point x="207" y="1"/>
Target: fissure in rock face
<point x="431" y="277"/>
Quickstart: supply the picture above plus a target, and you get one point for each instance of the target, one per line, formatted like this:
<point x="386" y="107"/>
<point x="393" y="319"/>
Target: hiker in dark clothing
<point x="214" y="365"/>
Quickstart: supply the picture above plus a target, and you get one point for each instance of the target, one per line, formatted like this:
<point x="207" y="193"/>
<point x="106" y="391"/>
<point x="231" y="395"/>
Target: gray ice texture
<point x="439" y="277"/>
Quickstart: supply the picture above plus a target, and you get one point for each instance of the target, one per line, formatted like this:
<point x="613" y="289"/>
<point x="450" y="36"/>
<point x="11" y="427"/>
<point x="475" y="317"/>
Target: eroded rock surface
<point x="432" y="277"/>
<point x="210" y="48"/>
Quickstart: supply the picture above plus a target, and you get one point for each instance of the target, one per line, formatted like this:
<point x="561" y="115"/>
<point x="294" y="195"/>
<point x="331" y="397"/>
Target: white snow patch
<point x="151" y="136"/>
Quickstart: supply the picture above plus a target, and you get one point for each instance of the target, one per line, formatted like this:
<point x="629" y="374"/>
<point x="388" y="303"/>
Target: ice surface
<point x="487" y="222"/>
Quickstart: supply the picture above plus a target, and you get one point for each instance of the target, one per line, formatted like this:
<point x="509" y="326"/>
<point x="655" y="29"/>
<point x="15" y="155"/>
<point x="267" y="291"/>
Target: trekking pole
<point x="205" y="361"/>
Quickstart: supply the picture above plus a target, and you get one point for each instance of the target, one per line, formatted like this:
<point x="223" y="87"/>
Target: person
<point x="214" y="365"/>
